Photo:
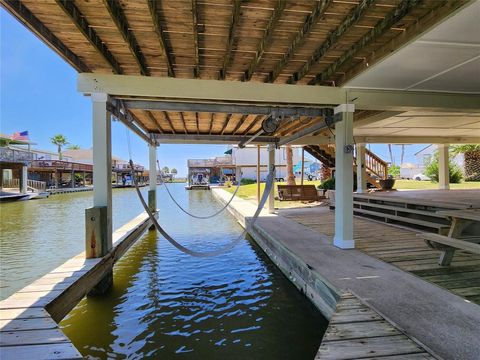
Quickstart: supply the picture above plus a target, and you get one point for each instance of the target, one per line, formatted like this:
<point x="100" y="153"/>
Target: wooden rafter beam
<point x="169" y="121"/>
<point x="225" y="124"/>
<point x="90" y="34"/>
<point x="153" y="7"/>
<point x="26" y="17"/>
<point x="197" y="123"/>
<point x="266" y="39"/>
<point x="231" y="37"/>
<point x="154" y="120"/>
<point x="254" y="122"/>
<point x="317" y="12"/>
<point x="196" y="69"/>
<point x="120" y="20"/>
<point x="354" y="16"/>
<point x="240" y="123"/>
<point x="380" y="28"/>
<point x="183" y="122"/>
<point x="211" y="124"/>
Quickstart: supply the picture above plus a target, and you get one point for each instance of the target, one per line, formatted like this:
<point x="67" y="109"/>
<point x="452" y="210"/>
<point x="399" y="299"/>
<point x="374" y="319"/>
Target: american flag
<point x="20" y="135"/>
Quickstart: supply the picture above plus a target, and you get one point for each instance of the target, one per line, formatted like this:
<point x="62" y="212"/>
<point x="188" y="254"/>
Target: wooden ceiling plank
<point x="266" y="39"/>
<point x="225" y="124"/>
<point x="333" y="38"/>
<point x="26" y="17"/>
<point x="118" y="16"/>
<point x="153" y="6"/>
<point x="254" y="122"/>
<point x="196" y="69"/>
<point x="317" y="12"/>
<point x="211" y="124"/>
<point x="240" y="123"/>
<point x="231" y="37"/>
<point x="183" y="122"/>
<point x="399" y="12"/>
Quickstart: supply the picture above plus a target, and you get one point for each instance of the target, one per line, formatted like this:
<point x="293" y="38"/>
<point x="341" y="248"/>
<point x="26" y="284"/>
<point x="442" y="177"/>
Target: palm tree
<point x="471" y="153"/>
<point x="165" y="170"/>
<point x="60" y="141"/>
<point x="174" y="172"/>
<point x="289" y="155"/>
<point x="73" y="147"/>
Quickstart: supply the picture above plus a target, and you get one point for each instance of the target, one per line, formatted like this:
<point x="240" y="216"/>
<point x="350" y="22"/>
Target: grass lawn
<point x="249" y="192"/>
<point x="419" y="185"/>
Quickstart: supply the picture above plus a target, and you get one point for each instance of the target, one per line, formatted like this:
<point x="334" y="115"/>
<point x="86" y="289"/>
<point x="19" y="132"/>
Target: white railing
<point x="33" y="184"/>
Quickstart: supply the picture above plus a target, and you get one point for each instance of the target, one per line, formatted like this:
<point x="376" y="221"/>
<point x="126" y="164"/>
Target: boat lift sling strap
<point x="222" y="250"/>
<point x="188" y="213"/>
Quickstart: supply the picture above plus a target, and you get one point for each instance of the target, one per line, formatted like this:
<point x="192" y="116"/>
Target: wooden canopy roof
<point x="325" y="42"/>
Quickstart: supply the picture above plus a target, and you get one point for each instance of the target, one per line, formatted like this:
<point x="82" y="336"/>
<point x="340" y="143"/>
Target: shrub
<point x="247" y="181"/>
<point x="394" y="171"/>
<point x="455" y="172"/>
<point x="328" y="184"/>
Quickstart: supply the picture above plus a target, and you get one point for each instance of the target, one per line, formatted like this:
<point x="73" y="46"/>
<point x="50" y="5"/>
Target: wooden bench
<point x="461" y="219"/>
<point x="297" y="192"/>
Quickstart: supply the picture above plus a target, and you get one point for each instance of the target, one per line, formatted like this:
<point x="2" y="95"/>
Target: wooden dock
<point x="28" y="318"/>
<point x="356" y="331"/>
<point x="402" y="248"/>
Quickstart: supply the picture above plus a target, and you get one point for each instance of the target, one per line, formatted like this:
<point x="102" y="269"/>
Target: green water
<point x="165" y="304"/>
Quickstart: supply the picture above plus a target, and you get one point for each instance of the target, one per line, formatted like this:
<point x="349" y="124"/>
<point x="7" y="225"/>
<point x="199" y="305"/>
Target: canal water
<point x="165" y="304"/>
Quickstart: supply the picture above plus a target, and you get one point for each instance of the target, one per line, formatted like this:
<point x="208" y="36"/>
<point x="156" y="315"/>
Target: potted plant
<point x="387" y="184"/>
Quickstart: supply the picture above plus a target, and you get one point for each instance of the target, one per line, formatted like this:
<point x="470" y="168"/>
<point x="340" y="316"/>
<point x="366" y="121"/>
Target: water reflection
<point x="165" y="304"/>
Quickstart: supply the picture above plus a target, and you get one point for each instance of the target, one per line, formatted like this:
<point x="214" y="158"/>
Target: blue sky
<point x="38" y="94"/>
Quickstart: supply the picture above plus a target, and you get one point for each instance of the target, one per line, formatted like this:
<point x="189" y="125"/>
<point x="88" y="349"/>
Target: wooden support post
<point x="72" y="179"/>
<point x="84" y="177"/>
<point x="152" y="177"/>
<point x="258" y="173"/>
<point x="23" y="179"/>
<point x="56" y="179"/>
<point x="443" y="171"/>
<point x="98" y="220"/>
<point x="303" y="166"/>
<point x="271" y="165"/>
<point x="361" y="169"/>
<point x="344" y="177"/>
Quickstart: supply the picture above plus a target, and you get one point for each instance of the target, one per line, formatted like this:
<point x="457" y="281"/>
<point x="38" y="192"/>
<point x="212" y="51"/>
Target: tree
<point x="394" y="171"/>
<point x="60" y="141"/>
<point x="392" y="159"/>
<point x="402" y="154"/>
<point x="289" y="155"/>
<point x="165" y="170"/>
<point x="174" y="172"/>
<point x="73" y="147"/>
<point x="471" y="153"/>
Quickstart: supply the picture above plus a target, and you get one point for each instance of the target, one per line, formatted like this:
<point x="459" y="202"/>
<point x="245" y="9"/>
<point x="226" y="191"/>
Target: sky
<point x="38" y="94"/>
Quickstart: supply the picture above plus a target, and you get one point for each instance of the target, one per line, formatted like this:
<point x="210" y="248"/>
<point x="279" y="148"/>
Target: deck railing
<point x="61" y="165"/>
<point x="33" y="184"/>
<point x="375" y="165"/>
<point x="14" y="155"/>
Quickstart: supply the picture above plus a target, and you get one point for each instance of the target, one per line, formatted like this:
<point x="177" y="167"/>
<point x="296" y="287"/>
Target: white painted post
<point x="271" y="164"/>
<point x="361" y="169"/>
<point x="23" y="179"/>
<point x="443" y="170"/>
<point x="102" y="172"/>
<point x="344" y="177"/>
<point x="152" y="177"/>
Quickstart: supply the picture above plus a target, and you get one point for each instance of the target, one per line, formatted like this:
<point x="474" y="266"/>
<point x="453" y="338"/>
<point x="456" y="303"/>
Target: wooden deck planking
<point x="368" y="336"/>
<point x="28" y="330"/>
<point x="401" y="247"/>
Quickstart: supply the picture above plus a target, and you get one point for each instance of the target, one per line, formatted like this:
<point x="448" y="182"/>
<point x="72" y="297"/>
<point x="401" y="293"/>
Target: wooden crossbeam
<point x="153" y="8"/>
<point x="154" y="120"/>
<point x="266" y="39"/>
<point x="26" y="17"/>
<point x="197" y="122"/>
<point x="120" y="20"/>
<point x="196" y="69"/>
<point x="380" y="28"/>
<point x="90" y="34"/>
<point x="317" y="12"/>
<point x="254" y="122"/>
<point x="169" y="121"/>
<point x="333" y="38"/>
<point x="231" y="37"/>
